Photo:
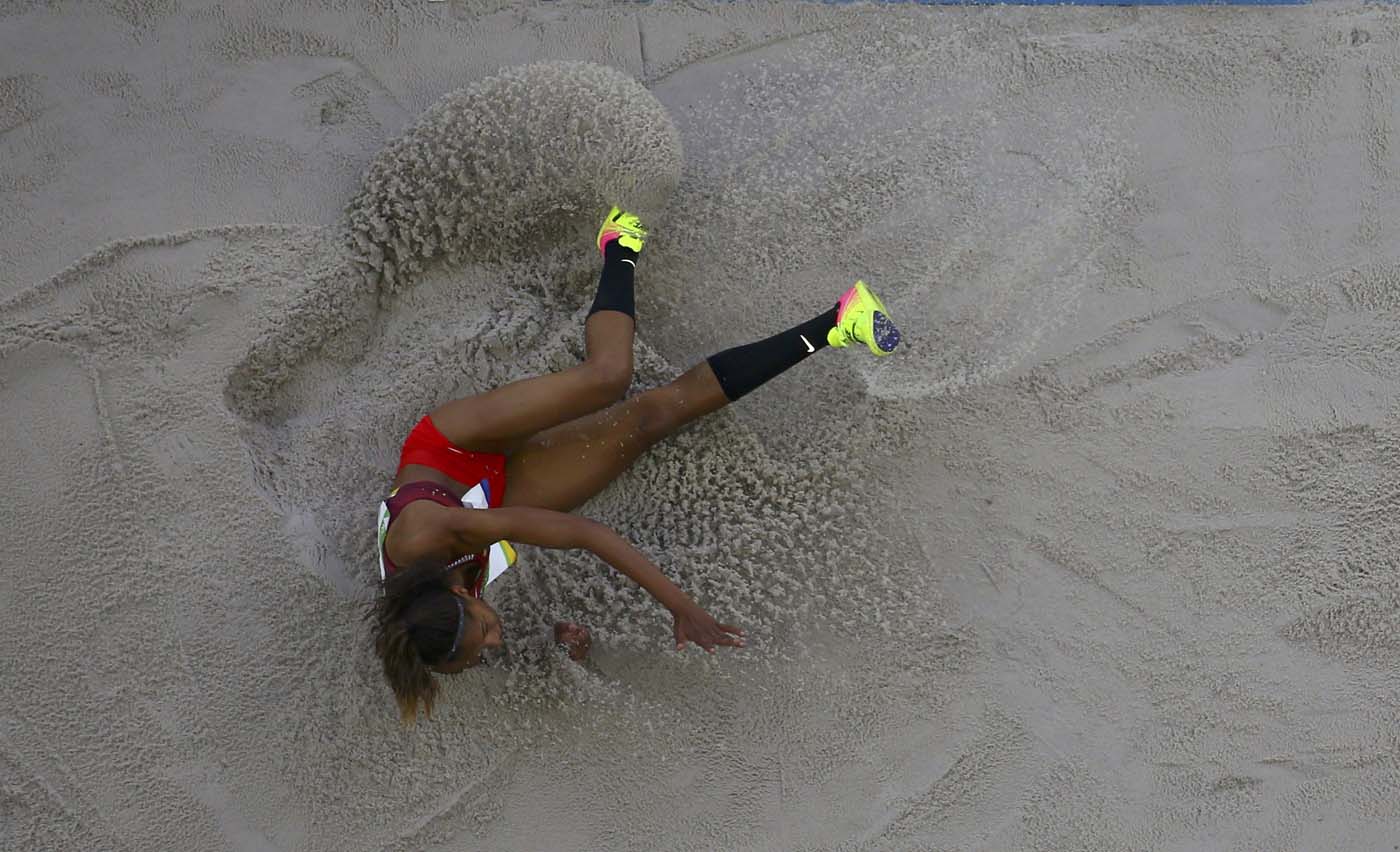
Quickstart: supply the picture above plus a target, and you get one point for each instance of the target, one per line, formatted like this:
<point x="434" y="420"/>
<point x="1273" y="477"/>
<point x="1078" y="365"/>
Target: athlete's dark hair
<point x="414" y="624"/>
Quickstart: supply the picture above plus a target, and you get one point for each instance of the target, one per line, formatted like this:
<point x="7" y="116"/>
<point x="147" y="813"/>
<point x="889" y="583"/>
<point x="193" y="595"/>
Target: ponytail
<point x="418" y="618"/>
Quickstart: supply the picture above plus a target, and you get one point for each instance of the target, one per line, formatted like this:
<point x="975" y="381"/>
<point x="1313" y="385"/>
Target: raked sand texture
<point x="1106" y="557"/>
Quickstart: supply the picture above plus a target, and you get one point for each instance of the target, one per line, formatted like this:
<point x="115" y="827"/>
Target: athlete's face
<point x="483" y="631"/>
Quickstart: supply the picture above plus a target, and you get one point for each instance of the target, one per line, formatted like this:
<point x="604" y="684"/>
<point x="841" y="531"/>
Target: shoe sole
<point x="885" y="332"/>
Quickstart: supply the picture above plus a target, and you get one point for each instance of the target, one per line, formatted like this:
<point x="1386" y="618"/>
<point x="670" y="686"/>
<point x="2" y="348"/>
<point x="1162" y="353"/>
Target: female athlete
<point x="509" y="465"/>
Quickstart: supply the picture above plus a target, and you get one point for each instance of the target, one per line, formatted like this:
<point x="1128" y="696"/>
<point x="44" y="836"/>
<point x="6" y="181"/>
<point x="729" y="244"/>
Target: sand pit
<point x="1129" y="487"/>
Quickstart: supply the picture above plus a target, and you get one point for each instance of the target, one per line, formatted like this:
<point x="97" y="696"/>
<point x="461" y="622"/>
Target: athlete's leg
<point x="498" y="420"/>
<point x="563" y="467"/>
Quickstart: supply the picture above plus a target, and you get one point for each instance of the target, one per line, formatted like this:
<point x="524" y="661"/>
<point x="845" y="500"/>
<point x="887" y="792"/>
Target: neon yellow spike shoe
<point x="861" y="316"/>
<point x="626" y="228"/>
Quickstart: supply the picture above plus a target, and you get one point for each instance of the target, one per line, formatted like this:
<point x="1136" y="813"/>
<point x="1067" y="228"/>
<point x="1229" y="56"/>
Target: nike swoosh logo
<point x="810" y="347"/>
<point x="633" y="265"/>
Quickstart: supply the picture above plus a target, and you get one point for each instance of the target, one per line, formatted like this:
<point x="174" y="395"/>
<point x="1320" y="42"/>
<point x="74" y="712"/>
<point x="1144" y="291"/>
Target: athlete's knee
<point x="609" y="378"/>
<point x="656" y="415"/>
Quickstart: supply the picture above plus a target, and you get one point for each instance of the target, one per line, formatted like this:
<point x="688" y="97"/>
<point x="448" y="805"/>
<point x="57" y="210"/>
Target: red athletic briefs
<point x="427" y="446"/>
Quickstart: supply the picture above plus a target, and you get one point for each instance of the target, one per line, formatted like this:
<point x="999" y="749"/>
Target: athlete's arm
<point x="563" y="531"/>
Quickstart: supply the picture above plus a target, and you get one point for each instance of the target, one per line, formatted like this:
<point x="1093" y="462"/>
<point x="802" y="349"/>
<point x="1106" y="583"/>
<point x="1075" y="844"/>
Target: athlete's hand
<point x="693" y="624"/>
<point x="575" y="638"/>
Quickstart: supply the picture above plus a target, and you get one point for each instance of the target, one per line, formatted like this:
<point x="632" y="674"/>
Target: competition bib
<point x="383" y="533"/>
<point x="501" y="555"/>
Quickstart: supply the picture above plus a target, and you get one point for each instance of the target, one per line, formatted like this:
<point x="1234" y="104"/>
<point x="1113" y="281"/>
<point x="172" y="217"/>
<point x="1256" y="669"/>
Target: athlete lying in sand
<point x="557" y="440"/>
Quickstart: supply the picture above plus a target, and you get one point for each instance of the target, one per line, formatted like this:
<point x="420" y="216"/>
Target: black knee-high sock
<point x="615" y="284"/>
<point x="744" y="368"/>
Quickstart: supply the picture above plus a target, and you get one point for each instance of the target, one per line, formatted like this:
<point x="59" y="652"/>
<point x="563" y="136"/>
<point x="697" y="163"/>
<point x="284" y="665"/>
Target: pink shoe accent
<point x="841" y="305"/>
<point x="607" y="238"/>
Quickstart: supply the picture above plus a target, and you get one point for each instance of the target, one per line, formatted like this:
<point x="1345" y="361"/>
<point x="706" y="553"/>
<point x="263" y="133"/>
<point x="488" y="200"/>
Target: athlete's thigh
<point x="499" y="420"/>
<point x="561" y="468"/>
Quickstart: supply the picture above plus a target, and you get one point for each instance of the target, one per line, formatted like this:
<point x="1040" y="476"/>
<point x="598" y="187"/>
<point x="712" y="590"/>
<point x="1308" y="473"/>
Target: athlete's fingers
<point x="729" y="628"/>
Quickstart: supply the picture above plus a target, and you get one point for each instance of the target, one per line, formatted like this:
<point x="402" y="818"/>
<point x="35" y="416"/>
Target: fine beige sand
<point x="1106" y="557"/>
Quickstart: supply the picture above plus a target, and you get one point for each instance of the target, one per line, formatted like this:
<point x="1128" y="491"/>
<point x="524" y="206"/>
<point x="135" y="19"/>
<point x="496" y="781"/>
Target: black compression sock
<point x="615" y="284"/>
<point x="744" y="368"/>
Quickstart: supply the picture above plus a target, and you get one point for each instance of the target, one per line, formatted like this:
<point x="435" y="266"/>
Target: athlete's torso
<point x="416" y="519"/>
<point x="418" y="523"/>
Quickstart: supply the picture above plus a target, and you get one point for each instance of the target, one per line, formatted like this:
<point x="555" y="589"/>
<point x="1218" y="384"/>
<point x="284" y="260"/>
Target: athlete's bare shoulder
<point x="423" y="531"/>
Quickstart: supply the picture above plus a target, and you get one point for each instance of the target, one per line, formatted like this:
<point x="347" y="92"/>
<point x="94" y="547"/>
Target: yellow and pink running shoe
<point x="624" y="227"/>
<point x="861" y="316"/>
